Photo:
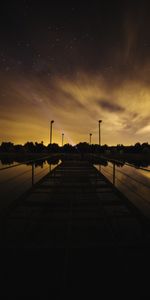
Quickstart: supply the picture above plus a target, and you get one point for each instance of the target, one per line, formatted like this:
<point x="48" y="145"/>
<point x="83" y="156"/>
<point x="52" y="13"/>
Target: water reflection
<point x="11" y="160"/>
<point x="133" y="182"/>
<point x="14" y="181"/>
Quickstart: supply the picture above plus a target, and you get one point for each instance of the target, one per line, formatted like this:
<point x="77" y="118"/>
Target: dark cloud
<point x="109" y="106"/>
<point x="70" y="100"/>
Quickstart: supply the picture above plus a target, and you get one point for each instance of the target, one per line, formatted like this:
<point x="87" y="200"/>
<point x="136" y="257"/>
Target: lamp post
<point x="62" y="139"/>
<point x="99" y="132"/>
<point x="51" y="125"/>
<point x="90" y="134"/>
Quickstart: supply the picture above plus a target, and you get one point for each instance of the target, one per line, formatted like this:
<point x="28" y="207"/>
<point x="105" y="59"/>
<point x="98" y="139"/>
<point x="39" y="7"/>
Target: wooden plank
<point x="75" y="198"/>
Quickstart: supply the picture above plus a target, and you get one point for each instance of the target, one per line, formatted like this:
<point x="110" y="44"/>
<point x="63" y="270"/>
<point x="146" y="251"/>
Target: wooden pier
<point x="80" y="223"/>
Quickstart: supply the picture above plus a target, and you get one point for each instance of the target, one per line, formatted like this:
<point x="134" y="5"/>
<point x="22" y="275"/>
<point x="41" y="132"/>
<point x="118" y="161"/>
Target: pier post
<point x="114" y="173"/>
<point x="32" y="174"/>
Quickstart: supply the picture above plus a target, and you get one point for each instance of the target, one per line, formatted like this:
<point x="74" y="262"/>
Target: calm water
<point x="15" y="181"/>
<point x="133" y="182"/>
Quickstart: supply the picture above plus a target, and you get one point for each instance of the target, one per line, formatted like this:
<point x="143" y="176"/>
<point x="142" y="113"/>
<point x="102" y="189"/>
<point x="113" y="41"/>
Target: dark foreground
<point x="74" y="235"/>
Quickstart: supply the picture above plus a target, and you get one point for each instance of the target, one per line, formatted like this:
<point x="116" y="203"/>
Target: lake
<point x="17" y="178"/>
<point x="133" y="182"/>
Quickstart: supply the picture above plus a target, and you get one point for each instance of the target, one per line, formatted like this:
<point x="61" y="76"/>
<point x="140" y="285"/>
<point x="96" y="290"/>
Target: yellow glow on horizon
<point x="76" y="105"/>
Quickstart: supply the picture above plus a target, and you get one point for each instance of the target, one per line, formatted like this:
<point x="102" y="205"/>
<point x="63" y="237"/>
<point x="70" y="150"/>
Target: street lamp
<point x="90" y="134"/>
<point x="99" y="132"/>
<point x="51" y="124"/>
<point x="62" y="139"/>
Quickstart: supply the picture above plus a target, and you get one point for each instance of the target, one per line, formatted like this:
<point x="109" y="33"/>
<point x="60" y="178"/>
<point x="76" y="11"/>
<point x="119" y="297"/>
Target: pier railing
<point x="131" y="180"/>
<point x="17" y="178"/>
<point x="27" y="163"/>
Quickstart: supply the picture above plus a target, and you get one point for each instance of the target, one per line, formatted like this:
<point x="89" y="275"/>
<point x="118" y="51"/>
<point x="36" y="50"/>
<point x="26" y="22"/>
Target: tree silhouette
<point x="83" y="147"/>
<point x="7" y="147"/>
<point x="29" y="147"/>
<point x="67" y="148"/>
<point x="39" y="147"/>
<point x="53" y="148"/>
<point x="19" y="149"/>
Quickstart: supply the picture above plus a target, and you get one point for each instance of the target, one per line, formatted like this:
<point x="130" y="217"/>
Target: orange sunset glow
<point x="75" y="104"/>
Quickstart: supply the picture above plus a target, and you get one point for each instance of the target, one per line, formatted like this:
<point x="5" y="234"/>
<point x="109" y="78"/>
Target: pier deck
<point x="75" y="206"/>
<point x="80" y="221"/>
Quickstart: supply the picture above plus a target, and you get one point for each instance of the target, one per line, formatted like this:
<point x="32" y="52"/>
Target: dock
<point x="79" y="222"/>
<point x="75" y="206"/>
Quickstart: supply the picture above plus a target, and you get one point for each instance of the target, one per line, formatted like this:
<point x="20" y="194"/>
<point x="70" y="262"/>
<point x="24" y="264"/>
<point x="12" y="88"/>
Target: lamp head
<point x="52" y="121"/>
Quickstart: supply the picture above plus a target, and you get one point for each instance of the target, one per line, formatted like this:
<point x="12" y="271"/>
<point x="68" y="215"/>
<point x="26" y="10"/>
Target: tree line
<point x="30" y="147"/>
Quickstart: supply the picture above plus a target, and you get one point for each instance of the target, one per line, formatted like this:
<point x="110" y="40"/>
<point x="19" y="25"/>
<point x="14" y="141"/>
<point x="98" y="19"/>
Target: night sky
<point x="75" y="64"/>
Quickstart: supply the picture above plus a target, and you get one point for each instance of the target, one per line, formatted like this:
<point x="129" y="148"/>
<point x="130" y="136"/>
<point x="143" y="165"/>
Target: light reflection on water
<point x="15" y="181"/>
<point x="134" y="183"/>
